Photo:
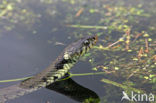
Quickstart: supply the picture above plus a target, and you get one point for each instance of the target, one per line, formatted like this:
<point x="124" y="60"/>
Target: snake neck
<point x="51" y="74"/>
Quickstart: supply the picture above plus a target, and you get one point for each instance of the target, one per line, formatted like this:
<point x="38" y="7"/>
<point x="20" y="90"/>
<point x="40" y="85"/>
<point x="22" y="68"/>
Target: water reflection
<point x="75" y="91"/>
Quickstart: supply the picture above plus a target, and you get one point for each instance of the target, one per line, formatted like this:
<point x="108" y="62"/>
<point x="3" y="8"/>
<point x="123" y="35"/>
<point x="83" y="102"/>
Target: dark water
<point x="32" y="43"/>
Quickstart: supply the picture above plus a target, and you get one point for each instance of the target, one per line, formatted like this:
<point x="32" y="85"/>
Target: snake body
<point x="54" y="72"/>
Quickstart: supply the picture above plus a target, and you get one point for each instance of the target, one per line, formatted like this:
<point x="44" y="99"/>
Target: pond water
<point x="33" y="33"/>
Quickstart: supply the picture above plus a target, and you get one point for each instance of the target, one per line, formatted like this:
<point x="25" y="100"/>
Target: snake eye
<point x="86" y="42"/>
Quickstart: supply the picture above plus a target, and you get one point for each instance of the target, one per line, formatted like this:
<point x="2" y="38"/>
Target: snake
<point x="55" y="71"/>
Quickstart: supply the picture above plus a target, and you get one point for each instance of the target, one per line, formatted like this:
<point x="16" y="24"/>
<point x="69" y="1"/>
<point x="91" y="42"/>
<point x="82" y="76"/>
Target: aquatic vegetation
<point x="129" y="57"/>
<point x="127" y="43"/>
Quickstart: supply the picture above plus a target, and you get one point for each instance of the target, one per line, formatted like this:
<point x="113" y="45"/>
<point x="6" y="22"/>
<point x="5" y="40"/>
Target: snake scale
<point x="54" y="72"/>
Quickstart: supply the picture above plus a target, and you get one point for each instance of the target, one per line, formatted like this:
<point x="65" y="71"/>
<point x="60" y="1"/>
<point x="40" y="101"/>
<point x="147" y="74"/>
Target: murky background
<point x="33" y="33"/>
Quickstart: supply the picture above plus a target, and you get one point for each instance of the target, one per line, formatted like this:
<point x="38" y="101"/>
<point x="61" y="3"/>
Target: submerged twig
<point x="128" y="39"/>
<point x="79" y="12"/>
<point x="154" y="58"/>
<point x="146" y="45"/>
<point x="141" y="52"/>
<point x="118" y="41"/>
<point x="133" y="73"/>
<point x="137" y="36"/>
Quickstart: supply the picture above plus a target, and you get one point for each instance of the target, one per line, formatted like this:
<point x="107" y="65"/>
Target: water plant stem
<point x="87" y="27"/>
<point x="71" y="75"/>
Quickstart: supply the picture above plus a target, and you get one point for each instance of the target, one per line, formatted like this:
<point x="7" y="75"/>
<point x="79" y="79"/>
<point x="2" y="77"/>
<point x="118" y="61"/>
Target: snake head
<point x="78" y="48"/>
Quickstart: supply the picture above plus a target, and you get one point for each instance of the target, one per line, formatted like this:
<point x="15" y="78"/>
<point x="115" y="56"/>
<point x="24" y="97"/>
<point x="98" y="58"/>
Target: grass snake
<point x="54" y="72"/>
